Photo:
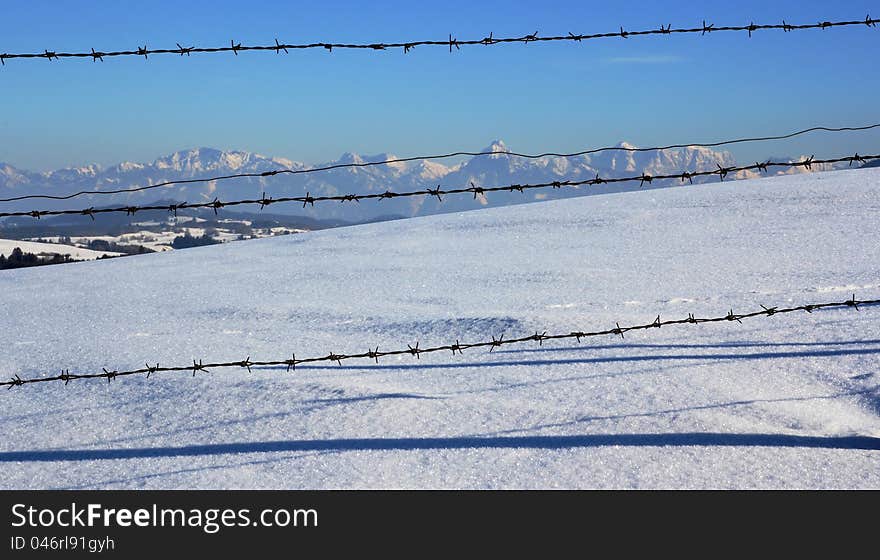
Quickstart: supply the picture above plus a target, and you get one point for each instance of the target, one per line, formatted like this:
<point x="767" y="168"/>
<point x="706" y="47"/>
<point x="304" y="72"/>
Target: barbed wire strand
<point x="450" y="43"/>
<point x="307" y="200"/>
<point x="415" y="351"/>
<point x="362" y="164"/>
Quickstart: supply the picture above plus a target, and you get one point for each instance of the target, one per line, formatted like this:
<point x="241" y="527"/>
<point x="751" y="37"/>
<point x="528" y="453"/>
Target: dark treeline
<point x="111" y="247"/>
<point x="186" y="241"/>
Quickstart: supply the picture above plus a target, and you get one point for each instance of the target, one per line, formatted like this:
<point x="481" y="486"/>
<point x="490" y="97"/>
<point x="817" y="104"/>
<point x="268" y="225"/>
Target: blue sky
<point x="313" y="105"/>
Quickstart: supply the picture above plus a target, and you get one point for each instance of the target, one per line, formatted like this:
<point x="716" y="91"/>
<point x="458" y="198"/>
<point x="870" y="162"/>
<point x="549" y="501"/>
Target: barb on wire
<point x="415" y="351"/>
<point x="450" y="42"/>
<point x="288" y="171"/>
<point x="308" y="199"/>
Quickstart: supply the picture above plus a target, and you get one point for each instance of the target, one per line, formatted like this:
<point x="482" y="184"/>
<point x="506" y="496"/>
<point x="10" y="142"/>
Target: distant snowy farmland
<point x="8" y="245"/>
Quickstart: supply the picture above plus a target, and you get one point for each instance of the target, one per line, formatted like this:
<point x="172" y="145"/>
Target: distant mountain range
<point x="484" y="171"/>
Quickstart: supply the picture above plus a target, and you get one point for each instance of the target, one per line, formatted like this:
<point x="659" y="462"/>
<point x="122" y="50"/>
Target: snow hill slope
<point x="779" y="402"/>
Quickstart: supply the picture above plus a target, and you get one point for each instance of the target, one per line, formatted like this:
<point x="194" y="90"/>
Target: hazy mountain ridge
<point x="486" y="171"/>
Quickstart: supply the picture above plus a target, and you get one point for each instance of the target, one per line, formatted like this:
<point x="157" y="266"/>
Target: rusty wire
<point x="288" y="171"/>
<point x="450" y="42"/>
<point x="439" y="192"/>
<point x="415" y="351"/>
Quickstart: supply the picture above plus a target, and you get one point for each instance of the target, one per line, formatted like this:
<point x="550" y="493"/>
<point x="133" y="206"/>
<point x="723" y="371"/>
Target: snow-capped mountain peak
<point x="349" y="157"/>
<point x="496" y="147"/>
<point x="431" y="170"/>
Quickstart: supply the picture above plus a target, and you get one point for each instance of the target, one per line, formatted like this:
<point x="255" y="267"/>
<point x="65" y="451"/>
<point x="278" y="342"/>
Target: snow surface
<point x="8" y="245"/>
<point x="780" y="402"/>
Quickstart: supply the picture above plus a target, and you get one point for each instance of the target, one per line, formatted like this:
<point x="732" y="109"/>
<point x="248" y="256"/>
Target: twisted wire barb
<point x="415" y="351"/>
<point x="288" y="171"/>
<point x="308" y="199"/>
<point x="450" y="42"/>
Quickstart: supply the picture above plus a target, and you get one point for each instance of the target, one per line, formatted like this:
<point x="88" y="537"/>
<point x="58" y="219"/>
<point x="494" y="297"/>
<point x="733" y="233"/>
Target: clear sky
<point x="313" y="105"/>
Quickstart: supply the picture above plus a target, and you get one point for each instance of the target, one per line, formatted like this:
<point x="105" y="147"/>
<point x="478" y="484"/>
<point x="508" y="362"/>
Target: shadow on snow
<point x="549" y="442"/>
<point x="597" y="360"/>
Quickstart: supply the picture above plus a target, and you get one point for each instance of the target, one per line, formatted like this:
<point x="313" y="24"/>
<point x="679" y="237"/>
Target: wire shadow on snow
<point x="868" y="393"/>
<point x="738" y="344"/>
<point x="367" y="398"/>
<point x="310" y="405"/>
<point x="194" y="470"/>
<point x="694" y="439"/>
<point x="597" y="360"/>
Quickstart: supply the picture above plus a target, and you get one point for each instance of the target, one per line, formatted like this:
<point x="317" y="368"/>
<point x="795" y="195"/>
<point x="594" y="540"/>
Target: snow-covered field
<point x="78" y="253"/>
<point x="779" y="402"/>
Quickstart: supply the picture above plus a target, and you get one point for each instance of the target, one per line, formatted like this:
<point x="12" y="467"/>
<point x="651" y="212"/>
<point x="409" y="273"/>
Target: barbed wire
<point x="288" y="171"/>
<point x="307" y="200"/>
<point x="415" y="351"/>
<point x="450" y="43"/>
